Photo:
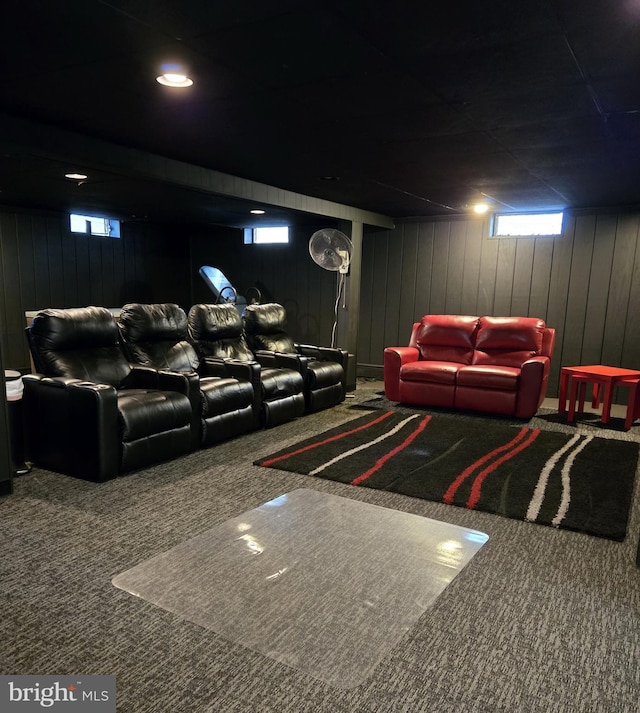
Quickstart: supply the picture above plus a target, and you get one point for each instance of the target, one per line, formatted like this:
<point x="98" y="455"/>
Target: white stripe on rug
<point x="566" y="483"/>
<point x="538" y="494"/>
<point x="364" y="446"/>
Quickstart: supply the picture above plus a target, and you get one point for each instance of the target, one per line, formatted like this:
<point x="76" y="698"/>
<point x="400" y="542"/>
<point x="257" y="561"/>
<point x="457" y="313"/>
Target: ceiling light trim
<point x="172" y="79"/>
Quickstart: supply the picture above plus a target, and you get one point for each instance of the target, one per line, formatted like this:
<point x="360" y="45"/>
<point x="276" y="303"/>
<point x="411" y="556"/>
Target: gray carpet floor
<point x="541" y="619"/>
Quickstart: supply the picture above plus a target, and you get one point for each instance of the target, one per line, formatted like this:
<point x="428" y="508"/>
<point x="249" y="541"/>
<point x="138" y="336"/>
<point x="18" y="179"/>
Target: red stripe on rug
<point x="337" y="437"/>
<point x="453" y="488"/>
<point x="381" y="461"/>
<point x="477" y="483"/>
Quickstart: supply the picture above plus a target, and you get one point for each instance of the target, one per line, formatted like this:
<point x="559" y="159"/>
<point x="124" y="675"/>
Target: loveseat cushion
<point x="445" y="338"/>
<point x="488" y="376"/>
<point x="508" y="341"/>
<point x="435" y="372"/>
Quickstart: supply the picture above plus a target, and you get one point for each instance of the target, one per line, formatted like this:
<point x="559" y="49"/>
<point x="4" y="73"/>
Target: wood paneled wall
<point x="43" y="265"/>
<point x="584" y="283"/>
<point x="283" y="273"/>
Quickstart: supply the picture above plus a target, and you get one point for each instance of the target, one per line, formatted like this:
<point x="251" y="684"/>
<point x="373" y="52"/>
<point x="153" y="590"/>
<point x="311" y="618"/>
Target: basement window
<point x="520" y="225"/>
<point x="94" y="225"/>
<point x="266" y="235"/>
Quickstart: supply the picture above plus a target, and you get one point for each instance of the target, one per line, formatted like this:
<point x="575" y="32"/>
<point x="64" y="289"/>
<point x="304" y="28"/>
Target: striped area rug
<point x="573" y="481"/>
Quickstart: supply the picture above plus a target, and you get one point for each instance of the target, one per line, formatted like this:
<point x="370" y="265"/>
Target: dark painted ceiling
<point x="415" y="108"/>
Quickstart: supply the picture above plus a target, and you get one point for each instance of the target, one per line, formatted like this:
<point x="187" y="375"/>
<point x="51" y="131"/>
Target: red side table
<point x="599" y="375"/>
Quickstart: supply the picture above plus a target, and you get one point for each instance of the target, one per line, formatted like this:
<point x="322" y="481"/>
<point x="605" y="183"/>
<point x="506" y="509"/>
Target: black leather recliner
<point x="217" y="334"/>
<point x="324" y="368"/>
<point x="156" y="335"/>
<point x="88" y="412"/>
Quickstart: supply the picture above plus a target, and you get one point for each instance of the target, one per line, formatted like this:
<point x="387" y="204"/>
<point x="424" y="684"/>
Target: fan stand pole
<point x="339" y="291"/>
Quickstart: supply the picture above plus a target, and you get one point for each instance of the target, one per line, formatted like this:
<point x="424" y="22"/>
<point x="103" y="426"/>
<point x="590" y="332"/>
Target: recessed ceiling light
<point x="173" y="79"/>
<point x="481" y="208"/>
<point x="257" y="211"/>
<point x="76" y="176"/>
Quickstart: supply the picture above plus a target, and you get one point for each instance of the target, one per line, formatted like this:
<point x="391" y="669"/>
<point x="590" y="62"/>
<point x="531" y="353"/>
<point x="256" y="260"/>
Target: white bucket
<point x="15" y="387"/>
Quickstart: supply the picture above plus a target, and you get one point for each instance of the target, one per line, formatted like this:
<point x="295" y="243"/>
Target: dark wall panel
<point x="600" y="282"/>
<point x="42" y="265"/>
<point x="487" y="273"/>
<point x="440" y="265"/>
<point x="408" y="275"/>
<point x="471" y="268"/>
<point x="504" y="277"/>
<point x="283" y="273"/>
<point x="367" y="294"/>
<point x="522" y="275"/>
<point x="455" y="268"/>
<point x="542" y="262"/>
<point x="422" y="287"/>
<point x="586" y="283"/>
<point x="619" y="316"/>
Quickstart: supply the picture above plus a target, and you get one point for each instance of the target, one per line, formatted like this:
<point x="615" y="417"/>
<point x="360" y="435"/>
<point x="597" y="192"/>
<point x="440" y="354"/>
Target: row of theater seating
<point x="112" y="394"/>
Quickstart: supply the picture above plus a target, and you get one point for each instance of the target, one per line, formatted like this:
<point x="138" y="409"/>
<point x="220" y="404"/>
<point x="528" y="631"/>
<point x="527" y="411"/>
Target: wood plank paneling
<point x="576" y="308"/>
<point x="504" y="277"/>
<point x="381" y="296"/>
<point x="585" y="283"/>
<point x="487" y="274"/>
<point x="439" y="268"/>
<point x="284" y="273"/>
<point x="471" y="268"/>
<point x="408" y="278"/>
<point x="43" y="265"/>
<point x="540" y="276"/>
<point x="522" y="275"/>
<point x="455" y="268"/>
<point x="618" y="316"/>
<point x="426" y="240"/>
<point x="366" y="299"/>
<point x="390" y="308"/>
<point x="600" y="278"/>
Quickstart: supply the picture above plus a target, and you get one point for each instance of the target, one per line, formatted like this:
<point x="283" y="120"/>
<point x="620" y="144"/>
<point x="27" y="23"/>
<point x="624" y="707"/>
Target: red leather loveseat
<point x="494" y="364"/>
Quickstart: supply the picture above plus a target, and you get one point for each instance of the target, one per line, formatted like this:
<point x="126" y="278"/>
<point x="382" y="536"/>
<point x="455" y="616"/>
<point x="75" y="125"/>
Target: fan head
<point x="331" y="249"/>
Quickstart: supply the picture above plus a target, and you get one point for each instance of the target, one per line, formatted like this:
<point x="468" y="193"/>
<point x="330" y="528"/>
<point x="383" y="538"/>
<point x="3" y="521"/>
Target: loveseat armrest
<point x="532" y="386"/>
<point x="394" y="358"/>
<point x="72" y="426"/>
<point x="283" y="360"/>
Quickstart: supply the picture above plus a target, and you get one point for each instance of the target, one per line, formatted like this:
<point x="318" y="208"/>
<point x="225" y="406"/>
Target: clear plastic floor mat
<point x="324" y="584"/>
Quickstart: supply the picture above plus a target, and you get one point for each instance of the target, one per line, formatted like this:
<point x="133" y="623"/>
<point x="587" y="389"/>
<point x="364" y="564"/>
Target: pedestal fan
<point x="331" y="249"/>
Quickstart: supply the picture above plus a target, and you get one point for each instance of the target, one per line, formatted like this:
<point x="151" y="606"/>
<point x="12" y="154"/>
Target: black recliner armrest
<point x="72" y="426"/>
<point x="282" y="360"/>
<point x="324" y="353"/>
<point x="144" y="377"/>
<point x="236" y="368"/>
